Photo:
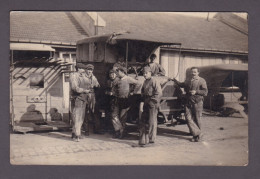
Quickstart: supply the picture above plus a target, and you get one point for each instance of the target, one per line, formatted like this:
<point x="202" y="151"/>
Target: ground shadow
<point x="131" y="138"/>
<point x="173" y="133"/>
<point x="59" y="134"/>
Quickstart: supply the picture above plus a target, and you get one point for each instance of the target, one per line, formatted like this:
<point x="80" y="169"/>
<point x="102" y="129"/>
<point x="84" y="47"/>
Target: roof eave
<point x="69" y="44"/>
<point x="117" y="37"/>
<point x="215" y="51"/>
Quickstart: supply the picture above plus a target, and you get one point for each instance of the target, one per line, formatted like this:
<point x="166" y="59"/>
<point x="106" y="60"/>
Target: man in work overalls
<point x="196" y="89"/>
<point x="83" y="101"/>
<point x="151" y="96"/>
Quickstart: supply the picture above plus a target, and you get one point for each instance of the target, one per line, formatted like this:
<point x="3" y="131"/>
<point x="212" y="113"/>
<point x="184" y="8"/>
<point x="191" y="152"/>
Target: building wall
<point x="70" y="57"/>
<point x="175" y="65"/>
<point x="24" y="94"/>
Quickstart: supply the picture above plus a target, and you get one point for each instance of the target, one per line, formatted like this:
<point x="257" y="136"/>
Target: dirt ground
<point x="225" y="144"/>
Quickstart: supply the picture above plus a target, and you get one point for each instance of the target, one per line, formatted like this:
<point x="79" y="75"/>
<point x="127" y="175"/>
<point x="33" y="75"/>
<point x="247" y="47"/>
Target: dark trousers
<point x="148" y="123"/>
<point x="91" y="116"/>
<point x="109" y="106"/>
<point x="134" y="103"/>
<point x="119" y="113"/>
<point x="193" y="113"/>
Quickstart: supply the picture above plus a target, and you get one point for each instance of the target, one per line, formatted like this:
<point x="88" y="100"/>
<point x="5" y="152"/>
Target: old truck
<point x="228" y="88"/>
<point x="134" y="51"/>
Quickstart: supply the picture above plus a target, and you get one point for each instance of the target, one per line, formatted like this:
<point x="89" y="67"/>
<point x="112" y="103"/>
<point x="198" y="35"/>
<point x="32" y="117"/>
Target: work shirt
<point x="199" y="85"/>
<point x="80" y="82"/>
<point x="151" y="90"/>
<point x="123" y="86"/>
<point x="156" y="69"/>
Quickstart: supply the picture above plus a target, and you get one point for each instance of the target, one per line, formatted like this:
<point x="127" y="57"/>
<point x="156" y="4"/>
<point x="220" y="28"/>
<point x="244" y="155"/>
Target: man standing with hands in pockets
<point x="151" y="96"/>
<point x="196" y="89"/>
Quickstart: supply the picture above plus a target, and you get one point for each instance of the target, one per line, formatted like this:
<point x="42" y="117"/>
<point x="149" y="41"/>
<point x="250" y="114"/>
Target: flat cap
<point x="89" y="66"/>
<point x="112" y="71"/>
<point x="84" y="66"/>
<point x="80" y="65"/>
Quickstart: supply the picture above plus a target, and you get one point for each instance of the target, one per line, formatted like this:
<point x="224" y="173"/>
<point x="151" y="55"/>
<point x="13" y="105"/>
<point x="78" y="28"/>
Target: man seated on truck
<point x="156" y="68"/>
<point x="120" y="63"/>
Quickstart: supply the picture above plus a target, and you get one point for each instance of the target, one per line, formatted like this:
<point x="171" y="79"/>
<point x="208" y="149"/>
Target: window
<point x="29" y="55"/>
<point x="37" y="80"/>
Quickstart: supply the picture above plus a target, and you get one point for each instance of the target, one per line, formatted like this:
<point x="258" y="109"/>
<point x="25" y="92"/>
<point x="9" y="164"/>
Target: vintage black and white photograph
<point x="129" y="88"/>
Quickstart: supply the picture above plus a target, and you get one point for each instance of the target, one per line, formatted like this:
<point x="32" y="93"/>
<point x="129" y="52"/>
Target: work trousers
<point x="148" y="123"/>
<point x="78" y="116"/>
<point x="120" y="108"/>
<point x="193" y="113"/>
<point x="92" y="116"/>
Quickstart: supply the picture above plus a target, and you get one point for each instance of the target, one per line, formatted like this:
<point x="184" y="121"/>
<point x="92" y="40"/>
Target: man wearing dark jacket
<point x="196" y="89"/>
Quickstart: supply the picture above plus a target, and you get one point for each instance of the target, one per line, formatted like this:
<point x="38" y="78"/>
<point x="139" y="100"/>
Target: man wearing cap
<point x="122" y="92"/>
<point x="195" y="88"/>
<point x="156" y="68"/>
<point x="111" y="93"/>
<point x="151" y="96"/>
<point x="83" y="101"/>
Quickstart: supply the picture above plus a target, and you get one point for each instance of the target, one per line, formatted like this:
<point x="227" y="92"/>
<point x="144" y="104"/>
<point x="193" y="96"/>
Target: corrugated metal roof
<point x="191" y="32"/>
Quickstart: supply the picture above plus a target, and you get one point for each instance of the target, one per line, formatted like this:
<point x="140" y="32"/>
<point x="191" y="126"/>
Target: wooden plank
<point x="25" y="105"/>
<point x="48" y="126"/>
<point x="19" y="115"/>
<point x="24" y="110"/>
<point x="165" y="64"/>
<point x="19" y="98"/>
<point x="28" y="91"/>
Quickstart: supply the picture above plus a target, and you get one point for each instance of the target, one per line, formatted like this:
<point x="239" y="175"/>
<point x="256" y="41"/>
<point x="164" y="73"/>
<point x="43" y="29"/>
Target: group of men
<point x="83" y="86"/>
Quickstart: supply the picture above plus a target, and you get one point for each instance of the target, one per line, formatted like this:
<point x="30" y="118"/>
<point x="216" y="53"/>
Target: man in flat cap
<point x="151" y="96"/>
<point x="156" y="68"/>
<point x="83" y="101"/>
<point x="111" y="95"/>
<point x="119" y="113"/>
